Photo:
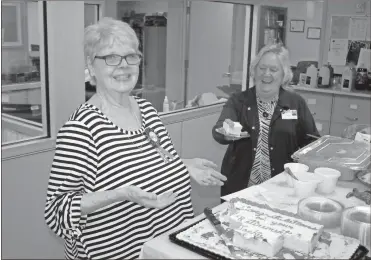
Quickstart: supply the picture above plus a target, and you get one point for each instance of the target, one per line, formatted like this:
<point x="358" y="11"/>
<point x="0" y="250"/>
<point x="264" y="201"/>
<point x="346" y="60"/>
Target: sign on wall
<point x="348" y="36"/>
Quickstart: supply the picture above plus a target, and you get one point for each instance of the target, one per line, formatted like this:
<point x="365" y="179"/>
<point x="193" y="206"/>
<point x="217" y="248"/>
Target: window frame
<point x="11" y="149"/>
<point x="58" y="102"/>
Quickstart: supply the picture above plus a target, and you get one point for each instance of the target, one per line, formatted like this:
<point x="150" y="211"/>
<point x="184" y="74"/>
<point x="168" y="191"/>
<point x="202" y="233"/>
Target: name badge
<point x="289" y="114"/>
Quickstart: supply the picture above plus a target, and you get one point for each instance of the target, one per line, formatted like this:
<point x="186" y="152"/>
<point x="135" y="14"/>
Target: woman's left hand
<point x="204" y="172"/>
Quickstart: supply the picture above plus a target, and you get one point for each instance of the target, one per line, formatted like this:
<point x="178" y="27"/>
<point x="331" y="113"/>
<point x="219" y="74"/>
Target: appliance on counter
<point x="312" y="74"/>
<point x="361" y="80"/>
<point x="323" y="80"/>
<point x="348" y="78"/>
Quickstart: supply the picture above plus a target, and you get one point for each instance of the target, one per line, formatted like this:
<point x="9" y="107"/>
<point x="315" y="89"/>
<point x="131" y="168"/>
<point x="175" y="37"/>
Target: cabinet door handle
<point x="314" y="113"/>
<point x="351" y="118"/>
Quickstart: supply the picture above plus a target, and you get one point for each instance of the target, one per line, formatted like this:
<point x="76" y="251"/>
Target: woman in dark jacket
<point x="277" y="119"/>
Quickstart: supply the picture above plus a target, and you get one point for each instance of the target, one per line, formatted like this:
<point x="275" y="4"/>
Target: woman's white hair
<point x="282" y="55"/>
<point x="103" y="34"/>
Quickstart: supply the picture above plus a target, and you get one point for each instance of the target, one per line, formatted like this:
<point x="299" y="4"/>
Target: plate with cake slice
<point x="232" y="129"/>
<point x="261" y="232"/>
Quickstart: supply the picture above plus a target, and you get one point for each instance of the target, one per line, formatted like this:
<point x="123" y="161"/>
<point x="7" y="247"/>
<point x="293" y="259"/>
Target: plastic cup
<point x="295" y="168"/>
<point x="306" y="185"/>
<point x="329" y="178"/>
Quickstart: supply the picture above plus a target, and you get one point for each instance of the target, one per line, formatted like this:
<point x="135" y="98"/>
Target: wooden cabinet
<point x="347" y="111"/>
<point x="351" y="110"/>
<point x="334" y="112"/>
<point x="320" y="107"/>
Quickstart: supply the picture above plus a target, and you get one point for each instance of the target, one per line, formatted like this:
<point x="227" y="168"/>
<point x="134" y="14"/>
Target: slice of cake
<point x="232" y="128"/>
<point x="299" y="235"/>
<point x="258" y="240"/>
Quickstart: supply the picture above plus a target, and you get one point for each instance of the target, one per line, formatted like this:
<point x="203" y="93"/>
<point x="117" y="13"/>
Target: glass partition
<point x="218" y="51"/>
<point x="24" y="97"/>
<point x="194" y="52"/>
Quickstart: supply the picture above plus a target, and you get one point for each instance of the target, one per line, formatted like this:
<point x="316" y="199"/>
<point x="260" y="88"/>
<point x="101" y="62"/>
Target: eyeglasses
<point x="115" y="59"/>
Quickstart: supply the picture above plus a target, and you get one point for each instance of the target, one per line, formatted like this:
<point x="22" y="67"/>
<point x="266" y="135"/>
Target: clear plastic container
<point x="345" y="155"/>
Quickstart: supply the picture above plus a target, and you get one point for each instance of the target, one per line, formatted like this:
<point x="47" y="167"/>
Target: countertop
<point x="334" y="91"/>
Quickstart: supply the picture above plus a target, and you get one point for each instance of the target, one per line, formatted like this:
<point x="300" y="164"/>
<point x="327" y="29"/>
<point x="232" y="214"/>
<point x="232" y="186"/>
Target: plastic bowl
<point x="329" y="178"/>
<point x="355" y="222"/>
<point x="306" y="185"/>
<point x="295" y="168"/>
<point x="320" y="210"/>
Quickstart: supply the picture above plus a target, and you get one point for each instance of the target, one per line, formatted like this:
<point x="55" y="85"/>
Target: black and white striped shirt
<point x="93" y="154"/>
<point x="261" y="169"/>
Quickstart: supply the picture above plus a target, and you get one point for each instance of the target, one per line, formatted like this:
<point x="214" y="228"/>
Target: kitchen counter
<point x="354" y="93"/>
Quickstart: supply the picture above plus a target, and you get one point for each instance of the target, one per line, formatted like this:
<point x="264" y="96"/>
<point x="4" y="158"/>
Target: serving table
<point x="162" y="248"/>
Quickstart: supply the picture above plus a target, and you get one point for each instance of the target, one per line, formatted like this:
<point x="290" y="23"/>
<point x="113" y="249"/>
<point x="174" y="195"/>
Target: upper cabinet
<point x="272" y="25"/>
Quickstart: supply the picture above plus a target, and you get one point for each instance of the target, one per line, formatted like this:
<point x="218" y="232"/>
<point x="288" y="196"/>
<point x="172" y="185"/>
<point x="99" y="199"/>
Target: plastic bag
<point x="351" y="131"/>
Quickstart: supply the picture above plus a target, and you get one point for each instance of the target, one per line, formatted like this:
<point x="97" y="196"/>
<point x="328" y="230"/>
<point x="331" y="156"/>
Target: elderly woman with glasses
<point x="277" y="120"/>
<point x="116" y="180"/>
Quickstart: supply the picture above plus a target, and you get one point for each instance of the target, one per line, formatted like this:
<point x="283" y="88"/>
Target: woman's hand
<point x="204" y="172"/>
<point x="148" y="199"/>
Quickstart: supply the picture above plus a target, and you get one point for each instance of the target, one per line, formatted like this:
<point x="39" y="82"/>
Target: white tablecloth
<point x="162" y="248"/>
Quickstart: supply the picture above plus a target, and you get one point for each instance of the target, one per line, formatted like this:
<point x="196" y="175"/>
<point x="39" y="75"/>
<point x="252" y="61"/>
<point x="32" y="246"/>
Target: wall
<point x="297" y="43"/>
<point x="175" y="54"/>
<point x="110" y="8"/>
<point x="238" y="43"/>
<point x="340" y="7"/>
<point x="24" y="232"/>
<point x="209" y="53"/>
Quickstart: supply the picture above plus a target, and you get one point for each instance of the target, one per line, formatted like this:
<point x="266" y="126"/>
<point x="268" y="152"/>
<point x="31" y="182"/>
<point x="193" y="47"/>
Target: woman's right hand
<point x="147" y="199"/>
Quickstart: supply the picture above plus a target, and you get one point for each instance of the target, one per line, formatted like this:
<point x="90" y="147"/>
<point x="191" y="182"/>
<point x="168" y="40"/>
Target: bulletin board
<point x="350" y="35"/>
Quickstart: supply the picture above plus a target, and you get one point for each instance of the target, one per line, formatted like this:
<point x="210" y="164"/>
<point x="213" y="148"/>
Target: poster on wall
<point x="340" y="27"/>
<point x="349" y="35"/>
<point x="358" y="28"/>
<point x="338" y="51"/>
<point x="364" y="59"/>
<point x="354" y="50"/>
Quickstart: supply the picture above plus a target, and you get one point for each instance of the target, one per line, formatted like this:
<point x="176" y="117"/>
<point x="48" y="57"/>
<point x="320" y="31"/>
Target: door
<point x="217" y="48"/>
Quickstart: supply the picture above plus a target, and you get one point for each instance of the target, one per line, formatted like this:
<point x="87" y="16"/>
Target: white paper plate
<point x="242" y="135"/>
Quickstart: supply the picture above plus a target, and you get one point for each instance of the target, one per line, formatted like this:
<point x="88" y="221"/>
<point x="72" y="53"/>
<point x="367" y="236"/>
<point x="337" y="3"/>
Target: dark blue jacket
<point x="285" y="136"/>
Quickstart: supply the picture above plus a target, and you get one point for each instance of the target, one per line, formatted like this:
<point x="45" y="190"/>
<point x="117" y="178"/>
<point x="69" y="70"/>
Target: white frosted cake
<point x="298" y="235"/>
<point x="258" y="240"/>
<point x="232" y="128"/>
<point x="260" y="232"/>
